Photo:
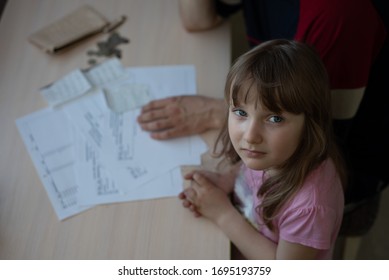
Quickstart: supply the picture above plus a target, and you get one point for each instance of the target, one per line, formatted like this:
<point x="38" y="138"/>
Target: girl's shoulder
<point x="321" y="188"/>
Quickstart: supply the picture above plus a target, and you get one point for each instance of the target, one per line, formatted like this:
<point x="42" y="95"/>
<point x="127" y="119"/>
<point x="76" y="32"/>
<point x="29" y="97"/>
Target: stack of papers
<point x="87" y="146"/>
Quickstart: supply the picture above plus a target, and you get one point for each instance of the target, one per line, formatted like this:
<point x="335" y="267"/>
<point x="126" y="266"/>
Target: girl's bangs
<point x="270" y="95"/>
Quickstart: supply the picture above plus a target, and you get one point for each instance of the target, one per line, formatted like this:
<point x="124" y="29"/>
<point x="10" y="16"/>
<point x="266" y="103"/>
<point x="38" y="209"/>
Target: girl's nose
<point x="253" y="133"/>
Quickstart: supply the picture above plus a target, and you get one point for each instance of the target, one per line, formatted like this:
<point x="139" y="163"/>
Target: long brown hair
<point x="287" y="76"/>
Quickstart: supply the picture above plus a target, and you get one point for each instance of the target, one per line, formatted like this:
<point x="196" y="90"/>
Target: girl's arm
<point x="199" y="15"/>
<point x="254" y="245"/>
<point x="213" y="203"/>
<point x="224" y="181"/>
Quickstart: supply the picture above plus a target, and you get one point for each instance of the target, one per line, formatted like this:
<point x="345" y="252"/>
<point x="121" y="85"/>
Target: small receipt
<point x="127" y="96"/>
<point x="69" y="87"/>
<point x="105" y="73"/>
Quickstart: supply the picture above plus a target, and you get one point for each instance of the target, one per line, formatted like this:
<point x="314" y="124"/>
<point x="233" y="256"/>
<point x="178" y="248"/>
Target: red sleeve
<point x="348" y="35"/>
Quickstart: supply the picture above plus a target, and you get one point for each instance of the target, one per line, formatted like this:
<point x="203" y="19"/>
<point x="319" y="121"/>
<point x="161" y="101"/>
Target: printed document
<point x="87" y="153"/>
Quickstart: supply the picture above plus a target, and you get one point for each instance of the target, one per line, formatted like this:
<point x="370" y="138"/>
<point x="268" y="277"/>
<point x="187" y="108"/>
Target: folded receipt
<point x="127" y="96"/>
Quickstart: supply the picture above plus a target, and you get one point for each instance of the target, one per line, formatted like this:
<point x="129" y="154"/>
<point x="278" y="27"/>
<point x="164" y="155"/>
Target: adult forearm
<point x="218" y="110"/>
<point x="198" y="15"/>
<point x="345" y="102"/>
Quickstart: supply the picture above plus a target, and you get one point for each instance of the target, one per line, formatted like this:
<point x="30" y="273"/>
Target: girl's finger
<point x="201" y="181"/>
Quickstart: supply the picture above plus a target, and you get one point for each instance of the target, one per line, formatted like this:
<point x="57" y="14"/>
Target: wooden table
<point x="155" y="229"/>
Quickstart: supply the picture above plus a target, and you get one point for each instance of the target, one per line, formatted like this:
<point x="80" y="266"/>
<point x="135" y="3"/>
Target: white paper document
<point x="48" y="137"/>
<point x="87" y="154"/>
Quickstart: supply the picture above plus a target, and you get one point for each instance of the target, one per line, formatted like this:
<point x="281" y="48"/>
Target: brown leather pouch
<point x="69" y="30"/>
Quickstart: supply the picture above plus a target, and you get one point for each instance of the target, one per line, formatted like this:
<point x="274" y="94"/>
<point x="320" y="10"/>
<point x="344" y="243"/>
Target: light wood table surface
<point x="153" y="229"/>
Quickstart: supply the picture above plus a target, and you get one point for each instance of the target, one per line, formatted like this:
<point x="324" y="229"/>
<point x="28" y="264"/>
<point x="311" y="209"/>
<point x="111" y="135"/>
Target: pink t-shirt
<point x="311" y="218"/>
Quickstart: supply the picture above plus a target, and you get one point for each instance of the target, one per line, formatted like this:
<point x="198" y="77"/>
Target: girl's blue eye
<point x="276" y="119"/>
<point x="240" y="113"/>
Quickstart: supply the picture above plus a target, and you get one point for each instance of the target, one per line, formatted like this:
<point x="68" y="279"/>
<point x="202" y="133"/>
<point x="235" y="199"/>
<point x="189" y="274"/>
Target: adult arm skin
<point x="345" y="102"/>
<point x="179" y="116"/>
<point x="199" y="15"/>
<point x="186" y="115"/>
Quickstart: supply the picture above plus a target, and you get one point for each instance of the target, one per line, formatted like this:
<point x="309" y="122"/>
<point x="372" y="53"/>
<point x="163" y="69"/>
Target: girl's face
<point x="263" y="140"/>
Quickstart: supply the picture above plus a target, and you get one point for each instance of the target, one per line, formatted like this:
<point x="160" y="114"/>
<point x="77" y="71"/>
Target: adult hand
<point x="181" y="116"/>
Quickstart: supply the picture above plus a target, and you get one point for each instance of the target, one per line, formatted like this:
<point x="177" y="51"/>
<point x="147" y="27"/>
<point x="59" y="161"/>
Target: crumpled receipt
<point x="127" y="96"/>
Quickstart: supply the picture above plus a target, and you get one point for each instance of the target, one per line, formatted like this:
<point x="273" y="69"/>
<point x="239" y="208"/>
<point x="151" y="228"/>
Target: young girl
<point x="287" y="196"/>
